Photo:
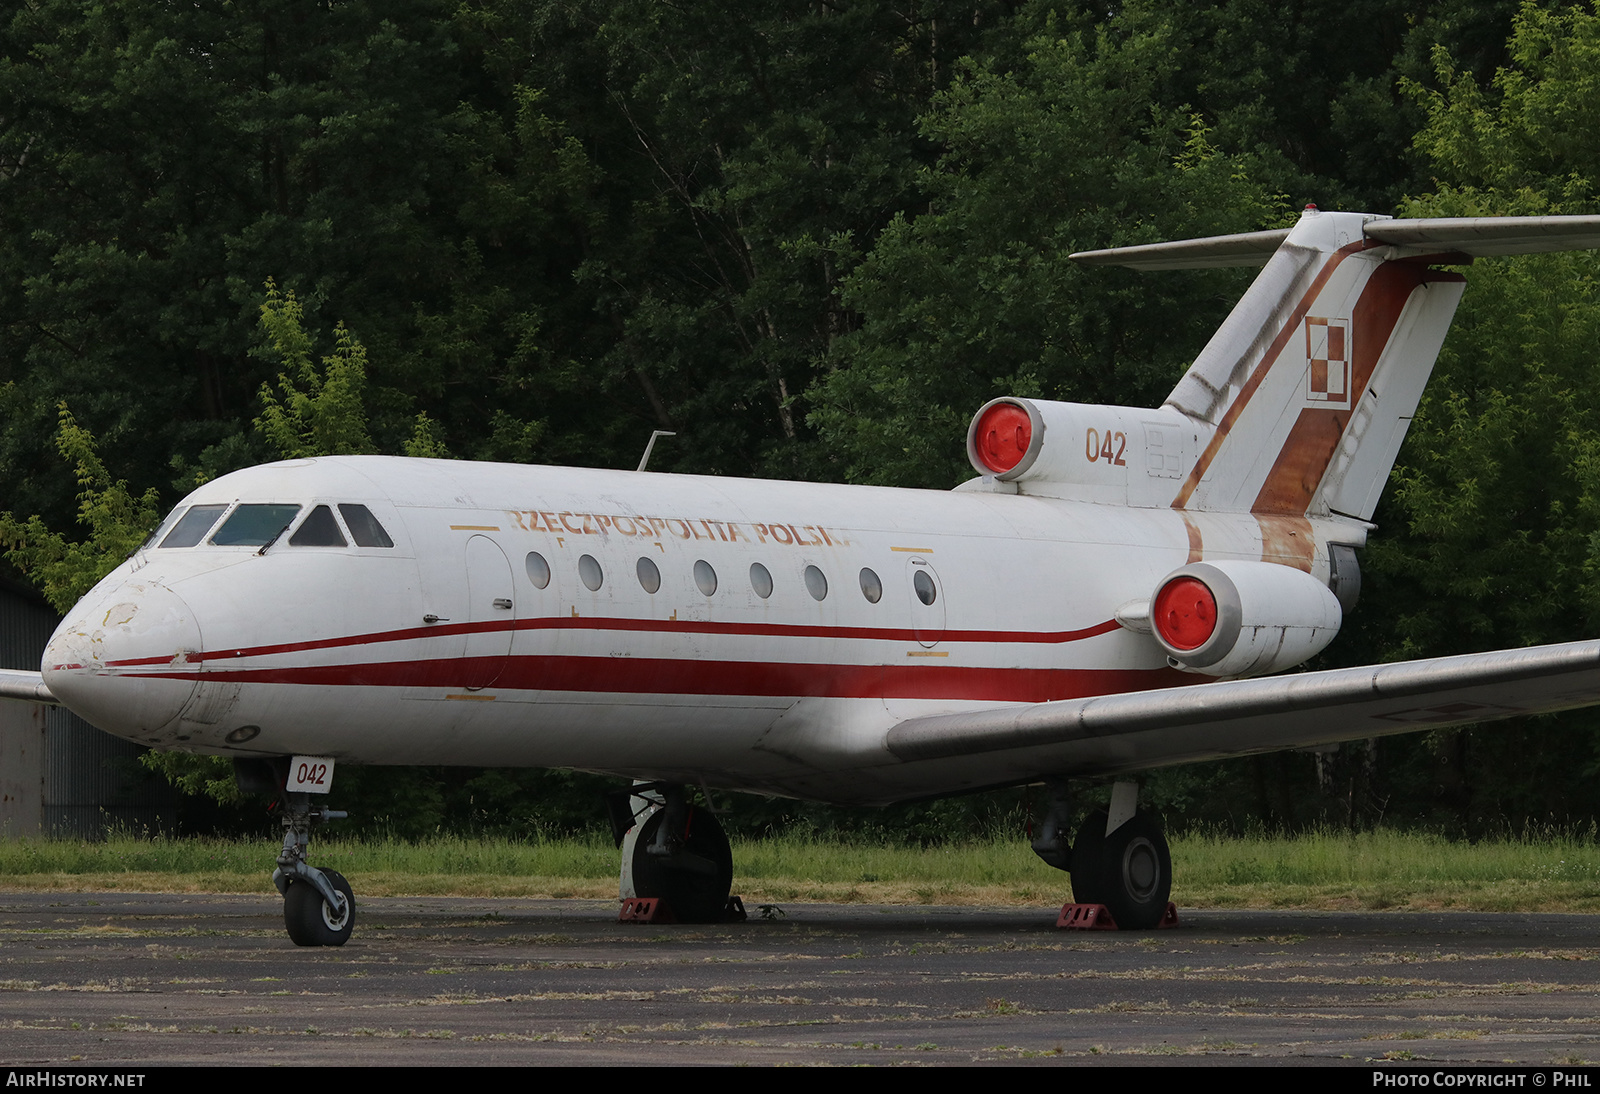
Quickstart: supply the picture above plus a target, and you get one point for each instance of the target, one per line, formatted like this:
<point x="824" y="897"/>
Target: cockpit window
<point x="162" y="529"/>
<point x="318" y="530"/>
<point x="253" y="525"/>
<point x="193" y="526"/>
<point x="364" y="527"/>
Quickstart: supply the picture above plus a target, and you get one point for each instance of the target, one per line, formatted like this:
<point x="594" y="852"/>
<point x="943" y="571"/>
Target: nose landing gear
<point x="318" y="907"/>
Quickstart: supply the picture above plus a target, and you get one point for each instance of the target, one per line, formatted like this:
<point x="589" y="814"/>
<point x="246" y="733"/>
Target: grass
<point x="1328" y="870"/>
<point x="1383" y="869"/>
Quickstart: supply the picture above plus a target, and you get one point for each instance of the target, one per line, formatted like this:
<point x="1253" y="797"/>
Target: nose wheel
<point x="311" y="920"/>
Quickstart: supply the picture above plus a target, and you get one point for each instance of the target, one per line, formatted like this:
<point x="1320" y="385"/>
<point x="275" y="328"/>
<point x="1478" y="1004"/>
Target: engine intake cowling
<point x="1242" y="618"/>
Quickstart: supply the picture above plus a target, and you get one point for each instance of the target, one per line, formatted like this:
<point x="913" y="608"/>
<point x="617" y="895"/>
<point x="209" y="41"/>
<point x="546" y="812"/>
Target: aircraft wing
<point x="26" y="686"/>
<point x="1177" y="725"/>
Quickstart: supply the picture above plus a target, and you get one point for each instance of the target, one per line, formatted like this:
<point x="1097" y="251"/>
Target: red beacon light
<point x="1003" y="435"/>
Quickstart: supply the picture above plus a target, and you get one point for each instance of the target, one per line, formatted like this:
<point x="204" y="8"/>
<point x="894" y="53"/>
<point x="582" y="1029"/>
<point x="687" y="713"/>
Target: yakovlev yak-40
<point x="1108" y="595"/>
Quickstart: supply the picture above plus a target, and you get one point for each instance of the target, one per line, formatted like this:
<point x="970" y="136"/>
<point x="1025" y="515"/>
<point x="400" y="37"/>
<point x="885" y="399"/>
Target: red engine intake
<point x="1184" y="613"/>
<point x="1001" y="436"/>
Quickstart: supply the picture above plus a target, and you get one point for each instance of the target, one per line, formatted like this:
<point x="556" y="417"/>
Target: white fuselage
<point x="444" y="649"/>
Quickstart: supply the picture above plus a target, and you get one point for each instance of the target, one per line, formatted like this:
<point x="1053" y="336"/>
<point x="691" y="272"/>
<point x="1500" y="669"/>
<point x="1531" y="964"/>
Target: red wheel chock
<point x="1097" y="917"/>
<point x="1086" y="917"/>
<point x="645" y="909"/>
<point x="652" y="909"/>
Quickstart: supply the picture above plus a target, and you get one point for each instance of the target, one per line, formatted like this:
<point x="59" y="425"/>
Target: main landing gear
<point x="672" y="851"/>
<point x="318" y="907"/>
<point x="1119" y="859"/>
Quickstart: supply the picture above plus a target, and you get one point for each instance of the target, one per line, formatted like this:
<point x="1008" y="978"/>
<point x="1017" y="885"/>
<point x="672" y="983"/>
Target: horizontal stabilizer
<point x="1242" y="716"/>
<point x="1480" y="237"/>
<point x="1244" y="249"/>
<point x="1485" y="237"/>
<point x="29" y="687"/>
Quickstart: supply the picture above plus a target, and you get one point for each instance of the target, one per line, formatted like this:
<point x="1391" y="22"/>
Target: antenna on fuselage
<point x="650" y="446"/>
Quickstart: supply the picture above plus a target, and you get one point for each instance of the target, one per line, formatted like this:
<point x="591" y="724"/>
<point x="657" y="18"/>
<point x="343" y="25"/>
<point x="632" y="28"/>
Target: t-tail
<point x="1299" y="403"/>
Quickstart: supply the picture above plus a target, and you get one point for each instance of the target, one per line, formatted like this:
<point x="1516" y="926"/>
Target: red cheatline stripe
<point x="679" y="626"/>
<point x="666" y="676"/>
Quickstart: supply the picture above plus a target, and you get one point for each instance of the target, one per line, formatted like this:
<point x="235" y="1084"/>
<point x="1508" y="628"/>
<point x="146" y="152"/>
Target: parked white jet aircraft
<point x="839" y="643"/>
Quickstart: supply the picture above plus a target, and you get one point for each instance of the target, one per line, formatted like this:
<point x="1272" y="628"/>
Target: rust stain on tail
<point x="1287" y="541"/>
<point x="1303" y="460"/>
<point x="1196" y="546"/>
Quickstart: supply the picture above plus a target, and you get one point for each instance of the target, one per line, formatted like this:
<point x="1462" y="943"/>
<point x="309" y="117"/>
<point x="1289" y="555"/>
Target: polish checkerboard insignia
<point x="1327" y="361"/>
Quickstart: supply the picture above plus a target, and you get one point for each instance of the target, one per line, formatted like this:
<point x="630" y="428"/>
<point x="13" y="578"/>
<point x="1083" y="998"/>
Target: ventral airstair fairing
<point x="1118" y="588"/>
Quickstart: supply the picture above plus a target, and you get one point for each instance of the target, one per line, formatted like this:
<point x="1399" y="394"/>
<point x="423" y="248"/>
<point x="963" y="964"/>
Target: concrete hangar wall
<point x="59" y="776"/>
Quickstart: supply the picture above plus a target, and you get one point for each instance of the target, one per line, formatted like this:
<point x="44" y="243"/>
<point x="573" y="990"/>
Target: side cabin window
<point x="649" y="575"/>
<point x="590" y="573"/>
<point x="254" y="525"/>
<point x="538" y="569"/>
<point x="760" y="580"/>
<point x="193" y="526"/>
<point x="318" y="530"/>
<point x="705" y="578"/>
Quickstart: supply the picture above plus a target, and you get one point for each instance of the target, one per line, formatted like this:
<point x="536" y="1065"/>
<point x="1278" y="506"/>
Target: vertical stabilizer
<point x="1307" y="388"/>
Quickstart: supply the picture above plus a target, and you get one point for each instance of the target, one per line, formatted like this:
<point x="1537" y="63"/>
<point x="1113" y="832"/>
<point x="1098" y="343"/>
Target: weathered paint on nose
<point x="121" y="659"/>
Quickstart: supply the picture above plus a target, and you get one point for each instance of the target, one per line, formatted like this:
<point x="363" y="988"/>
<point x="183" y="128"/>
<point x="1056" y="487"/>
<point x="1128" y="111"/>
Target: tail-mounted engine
<point x="1117" y="454"/>
<point x="1242" y="618"/>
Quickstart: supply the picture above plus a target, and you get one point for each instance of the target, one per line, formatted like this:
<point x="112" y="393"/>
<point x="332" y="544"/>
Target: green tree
<point x="747" y="152"/>
<point x="809" y="238"/>
<point x="158" y="163"/>
<point x="116" y="522"/>
<point x="320" y="413"/>
<point x="1490" y="531"/>
<point x="1073" y="149"/>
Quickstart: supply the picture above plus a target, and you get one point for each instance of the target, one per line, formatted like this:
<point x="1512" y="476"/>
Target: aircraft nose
<point x="121" y="660"/>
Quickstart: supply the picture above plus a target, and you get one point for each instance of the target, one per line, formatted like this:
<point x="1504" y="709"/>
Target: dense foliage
<point x="810" y="239"/>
